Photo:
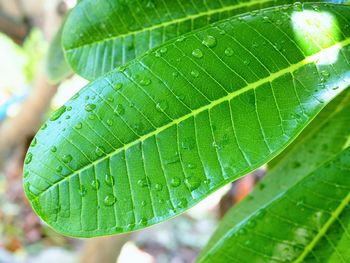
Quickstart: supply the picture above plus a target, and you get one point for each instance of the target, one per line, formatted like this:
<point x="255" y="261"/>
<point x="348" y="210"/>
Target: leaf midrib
<point x="173" y="21"/>
<point x="270" y="78"/>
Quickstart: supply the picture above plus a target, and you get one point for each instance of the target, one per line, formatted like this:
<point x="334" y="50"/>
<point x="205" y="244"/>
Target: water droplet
<point x="195" y="73"/>
<point x="59" y="169"/>
<point x="119" y="110"/>
<point x="191" y="166"/>
<point x="325" y="74"/>
<point x="143" y="203"/>
<point x="175" y="74"/>
<point x="192" y="183"/>
<point x="34" y="142"/>
<point x="110" y="99"/>
<point x="91" y="117"/>
<point x="180" y="39"/>
<point x="229" y="52"/>
<point x="69" y="108"/>
<point x="162" y="106"/>
<point x="82" y="191"/>
<point x="163" y="50"/>
<point x="175" y="182"/>
<point x="78" y="126"/>
<point x="197" y="53"/>
<point x="67" y="117"/>
<point x="28" y="158"/>
<point x="109" y="200"/>
<point x="53" y="149"/>
<point x="76" y="96"/>
<point x="44" y="127"/>
<point x="109" y="179"/>
<point x="143" y="182"/>
<point x="109" y="122"/>
<point x="246" y="62"/>
<point x="99" y="151"/>
<point x="90" y="107"/>
<point x="183" y="203"/>
<point x="118" y="86"/>
<point x="58" y="113"/>
<point x="209" y="41"/>
<point x="121" y="68"/>
<point x="67" y="158"/>
<point x="158" y="187"/>
<point x="188" y="144"/>
<point x="95" y="184"/>
<point x="145" y="82"/>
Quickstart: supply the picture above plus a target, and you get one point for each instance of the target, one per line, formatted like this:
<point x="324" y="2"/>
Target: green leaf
<point x="156" y="136"/>
<point x="56" y="66"/>
<point x="100" y="37"/>
<point x="307" y="223"/>
<point x="326" y="137"/>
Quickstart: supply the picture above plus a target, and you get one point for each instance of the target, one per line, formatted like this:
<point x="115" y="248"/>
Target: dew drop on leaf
<point x="162" y="106"/>
<point x="197" y="53"/>
<point x="192" y="183"/>
<point x="109" y="179"/>
<point x="158" y="187"/>
<point x="82" y="191"/>
<point x="209" y="41"/>
<point x="34" y="142"/>
<point x="119" y="110"/>
<point x="95" y="184"/>
<point x="90" y="107"/>
<point x="58" y="113"/>
<point x="59" y="169"/>
<point x="53" y="149"/>
<point x="29" y="158"/>
<point x="67" y="158"/>
<point x="143" y="182"/>
<point x="78" y="126"/>
<point x="175" y="182"/>
<point x="195" y="73"/>
<point x="109" y="122"/>
<point x="229" y="52"/>
<point x="109" y="200"/>
<point x="145" y="82"/>
<point x="99" y="151"/>
<point x="118" y="86"/>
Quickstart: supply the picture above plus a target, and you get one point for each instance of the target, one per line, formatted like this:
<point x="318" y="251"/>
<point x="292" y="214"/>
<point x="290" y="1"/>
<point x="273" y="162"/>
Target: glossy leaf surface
<point x="99" y="36"/>
<point x="153" y="138"/>
<point x="326" y="137"/>
<point x="308" y="223"/>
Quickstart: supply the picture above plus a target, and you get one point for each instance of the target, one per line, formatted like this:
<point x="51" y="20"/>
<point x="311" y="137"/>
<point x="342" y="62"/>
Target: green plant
<point x="204" y="98"/>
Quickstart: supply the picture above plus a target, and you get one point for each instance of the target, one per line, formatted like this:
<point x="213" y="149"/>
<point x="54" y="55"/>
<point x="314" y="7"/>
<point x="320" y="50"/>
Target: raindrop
<point x="143" y="182"/>
<point x="209" y="41"/>
<point x="175" y="182"/>
<point x="162" y="106"/>
<point x="53" y="149"/>
<point x="69" y="108"/>
<point x="229" y="52"/>
<point x="246" y="62"/>
<point x="110" y="99"/>
<point x="109" y="179"/>
<point x="82" y="191"/>
<point x="192" y="183"/>
<point x="95" y="184"/>
<point x="67" y="158"/>
<point x="158" y="187"/>
<point x="109" y="200"/>
<point x="118" y="86"/>
<point x="58" y="113"/>
<point x="145" y="82"/>
<point x="197" y="53"/>
<point x="78" y="126"/>
<point x="195" y="73"/>
<point x="143" y="203"/>
<point x="34" y="142"/>
<point x="59" y="169"/>
<point x="119" y="110"/>
<point x="99" y="151"/>
<point x="44" y="127"/>
<point x="29" y="158"/>
<point x="121" y="68"/>
<point x="90" y="107"/>
<point x="109" y="122"/>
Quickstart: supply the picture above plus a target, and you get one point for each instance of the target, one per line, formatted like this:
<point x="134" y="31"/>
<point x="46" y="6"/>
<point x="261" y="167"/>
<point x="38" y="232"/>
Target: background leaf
<point x="100" y="37"/>
<point x="307" y="223"/>
<point x="156" y="136"/>
<point x="56" y="66"/>
<point x="320" y="142"/>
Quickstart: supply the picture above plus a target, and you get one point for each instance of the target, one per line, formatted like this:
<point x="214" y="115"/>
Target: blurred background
<point x="28" y="30"/>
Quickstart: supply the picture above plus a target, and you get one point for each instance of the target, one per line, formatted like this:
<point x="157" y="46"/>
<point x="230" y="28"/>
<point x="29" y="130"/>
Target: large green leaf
<point x="99" y="36"/>
<point x="323" y="140"/>
<point x="308" y="223"/>
<point x="56" y="66"/>
<point x="156" y="136"/>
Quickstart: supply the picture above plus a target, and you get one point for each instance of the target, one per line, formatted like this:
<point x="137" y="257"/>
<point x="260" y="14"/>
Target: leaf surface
<point x="100" y="37"/>
<point x="151" y="139"/>
<point x="310" y="222"/>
